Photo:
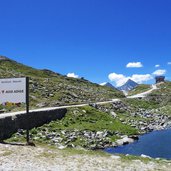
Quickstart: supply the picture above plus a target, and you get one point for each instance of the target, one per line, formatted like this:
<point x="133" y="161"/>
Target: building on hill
<point x="3" y="58"/>
<point x="160" y="79"/>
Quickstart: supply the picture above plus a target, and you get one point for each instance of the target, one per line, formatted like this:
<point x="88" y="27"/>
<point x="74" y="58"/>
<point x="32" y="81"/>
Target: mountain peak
<point x="129" y="85"/>
<point x="130" y="81"/>
<point x="107" y="84"/>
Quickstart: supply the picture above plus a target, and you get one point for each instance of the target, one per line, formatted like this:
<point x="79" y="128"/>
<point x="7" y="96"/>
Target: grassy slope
<point x="80" y="120"/>
<point x="163" y="89"/>
<point x="139" y="89"/>
<point x="141" y="103"/>
<point x="157" y="99"/>
<point x="88" y="118"/>
<point x="53" y="89"/>
<point x="163" y="94"/>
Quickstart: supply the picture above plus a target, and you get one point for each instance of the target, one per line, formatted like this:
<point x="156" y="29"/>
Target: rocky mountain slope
<point x="108" y="85"/>
<point x="129" y="85"/>
<point x="48" y="88"/>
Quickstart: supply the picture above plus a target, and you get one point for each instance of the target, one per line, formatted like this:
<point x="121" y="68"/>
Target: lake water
<point x="156" y="144"/>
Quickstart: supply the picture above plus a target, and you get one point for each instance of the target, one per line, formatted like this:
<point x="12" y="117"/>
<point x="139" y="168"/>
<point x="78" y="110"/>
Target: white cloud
<point x="121" y="79"/>
<point x="159" y="72"/>
<point x="169" y="63"/>
<point x="73" y="75"/>
<point x="141" y="78"/>
<point x="134" y="65"/>
<point x="157" y="65"/>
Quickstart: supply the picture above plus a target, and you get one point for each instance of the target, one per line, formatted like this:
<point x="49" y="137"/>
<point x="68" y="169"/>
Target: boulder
<point x="124" y="141"/>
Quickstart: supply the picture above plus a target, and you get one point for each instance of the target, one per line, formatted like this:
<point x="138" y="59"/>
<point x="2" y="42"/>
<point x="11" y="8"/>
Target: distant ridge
<point x="129" y="85"/>
<point x="107" y="84"/>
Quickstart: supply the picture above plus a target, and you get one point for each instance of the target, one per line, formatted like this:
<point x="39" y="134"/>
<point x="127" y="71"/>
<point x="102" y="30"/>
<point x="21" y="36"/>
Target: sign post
<point x="27" y="108"/>
<point x="15" y="91"/>
<point x="12" y="91"/>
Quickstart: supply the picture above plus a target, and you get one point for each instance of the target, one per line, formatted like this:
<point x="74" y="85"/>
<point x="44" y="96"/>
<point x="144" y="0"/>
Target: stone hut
<point x="160" y="79"/>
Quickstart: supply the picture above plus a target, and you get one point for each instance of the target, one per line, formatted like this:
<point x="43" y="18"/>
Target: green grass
<point x="130" y="158"/>
<point x="165" y="109"/>
<point x="141" y="103"/>
<point x="79" y="120"/>
<point x="164" y="89"/>
<point x="92" y="120"/>
<point x="127" y="117"/>
<point x="139" y="89"/>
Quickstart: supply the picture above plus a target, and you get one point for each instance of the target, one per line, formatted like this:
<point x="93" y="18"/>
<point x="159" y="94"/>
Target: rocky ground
<point x="99" y="127"/>
<point x="86" y="127"/>
<point x="143" y="119"/>
<point x="24" y="158"/>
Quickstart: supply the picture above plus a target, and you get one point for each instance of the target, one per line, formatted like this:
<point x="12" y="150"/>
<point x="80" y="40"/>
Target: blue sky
<point x="94" y="39"/>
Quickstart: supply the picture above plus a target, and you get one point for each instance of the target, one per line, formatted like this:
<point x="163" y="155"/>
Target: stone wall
<point x="10" y="125"/>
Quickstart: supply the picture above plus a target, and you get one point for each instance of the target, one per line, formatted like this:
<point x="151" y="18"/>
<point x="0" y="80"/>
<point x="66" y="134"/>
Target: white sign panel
<point x="13" y="90"/>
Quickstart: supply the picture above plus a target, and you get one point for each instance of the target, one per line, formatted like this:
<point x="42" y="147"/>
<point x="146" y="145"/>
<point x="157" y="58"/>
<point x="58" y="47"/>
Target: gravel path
<point x="23" y="158"/>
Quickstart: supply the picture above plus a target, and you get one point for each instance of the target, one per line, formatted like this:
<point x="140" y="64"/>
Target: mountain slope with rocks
<point x="129" y="85"/>
<point x="48" y="88"/>
<point x="163" y="89"/>
<point x="162" y="95"/>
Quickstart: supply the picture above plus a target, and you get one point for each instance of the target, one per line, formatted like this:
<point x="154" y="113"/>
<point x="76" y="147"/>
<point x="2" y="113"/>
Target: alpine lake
<point x="156" y="144"/>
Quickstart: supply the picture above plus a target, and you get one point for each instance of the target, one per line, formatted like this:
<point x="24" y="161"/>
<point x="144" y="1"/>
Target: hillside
<point x="164" y="89"/>
<point x="107" y="84"/>
<point x="139" y="89"/>
<point x="162" y="94"/>
<point x="48" y="88"/>
<point x="159" y="98"/>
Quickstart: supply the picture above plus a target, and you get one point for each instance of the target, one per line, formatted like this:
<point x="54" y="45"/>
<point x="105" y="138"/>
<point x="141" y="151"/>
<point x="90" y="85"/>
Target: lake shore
<point x="155" y="144"/>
